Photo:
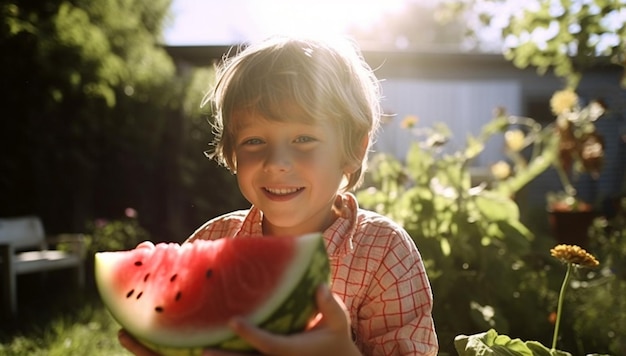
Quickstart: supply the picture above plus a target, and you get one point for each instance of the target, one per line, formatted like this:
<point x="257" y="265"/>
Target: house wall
<point x="463" y="90"/>
<point x="462" y="105"/>
<point x="459" y="90"/>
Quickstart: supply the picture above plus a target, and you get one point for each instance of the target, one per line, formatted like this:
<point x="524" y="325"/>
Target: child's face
<point x="291" y="171"/>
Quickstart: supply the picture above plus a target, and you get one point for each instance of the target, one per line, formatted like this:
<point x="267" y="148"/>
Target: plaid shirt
<point x="376" y="270"/>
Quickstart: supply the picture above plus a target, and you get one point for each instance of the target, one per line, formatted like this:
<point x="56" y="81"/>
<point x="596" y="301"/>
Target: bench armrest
<point x="73" y="243"/>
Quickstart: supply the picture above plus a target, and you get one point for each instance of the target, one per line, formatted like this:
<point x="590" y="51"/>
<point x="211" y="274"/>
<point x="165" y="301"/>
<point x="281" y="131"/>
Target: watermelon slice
<point x="175" y="298"/>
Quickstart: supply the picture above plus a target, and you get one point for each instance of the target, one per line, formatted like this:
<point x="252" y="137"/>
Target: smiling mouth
<point x="282" y="191"/>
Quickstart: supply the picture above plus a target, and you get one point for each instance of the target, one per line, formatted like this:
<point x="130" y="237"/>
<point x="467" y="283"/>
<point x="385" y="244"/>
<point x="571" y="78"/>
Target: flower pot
<point x="571" y="227"/>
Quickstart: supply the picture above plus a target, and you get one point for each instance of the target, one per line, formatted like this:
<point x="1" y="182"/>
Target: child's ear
<point x="353" y="166"/>
<point x="363" y="149"/>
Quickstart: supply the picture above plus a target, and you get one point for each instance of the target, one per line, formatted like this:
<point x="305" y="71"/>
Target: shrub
<point x="115" y="235"/>
<point x="487" y="270"/>
<point x="475" y="249"/>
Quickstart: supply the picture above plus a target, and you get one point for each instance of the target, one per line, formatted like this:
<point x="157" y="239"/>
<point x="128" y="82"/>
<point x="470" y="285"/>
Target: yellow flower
<point x="563" y="101"/>
<point x="575" y="255"/>
<point x="409" y="122"/>
<point x="500" y="170"/>
<point x="514" y="139"/>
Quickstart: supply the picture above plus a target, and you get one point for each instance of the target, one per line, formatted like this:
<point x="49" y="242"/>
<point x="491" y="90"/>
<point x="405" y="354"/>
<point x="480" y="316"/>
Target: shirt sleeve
<point x="396" y="317"/>
<point x="227" y="225"/>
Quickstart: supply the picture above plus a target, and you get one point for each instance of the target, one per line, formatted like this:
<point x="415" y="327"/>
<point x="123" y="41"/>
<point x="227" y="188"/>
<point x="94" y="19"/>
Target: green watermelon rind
<point x="279" y="315"/>
<point x="298" y="308"/>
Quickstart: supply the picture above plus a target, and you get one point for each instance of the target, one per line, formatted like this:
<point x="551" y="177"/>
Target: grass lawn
<point x="56" y="320"/>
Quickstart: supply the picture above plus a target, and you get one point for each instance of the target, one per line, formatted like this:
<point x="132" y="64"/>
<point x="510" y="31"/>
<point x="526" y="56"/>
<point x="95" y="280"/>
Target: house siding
<point x="462" y="105"/>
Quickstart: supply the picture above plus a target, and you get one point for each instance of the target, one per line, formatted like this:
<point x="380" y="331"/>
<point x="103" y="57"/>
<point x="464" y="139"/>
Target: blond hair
<point x="318" y="79"/>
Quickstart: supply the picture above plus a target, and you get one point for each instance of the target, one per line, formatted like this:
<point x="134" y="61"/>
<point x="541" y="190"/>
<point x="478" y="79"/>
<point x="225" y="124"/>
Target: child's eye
<point x="252" y="142"/>
<point x="304" y="139"/>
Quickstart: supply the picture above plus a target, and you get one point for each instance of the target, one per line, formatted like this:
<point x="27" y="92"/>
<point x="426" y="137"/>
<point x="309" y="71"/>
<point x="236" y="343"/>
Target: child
<point x="294" y="122"/>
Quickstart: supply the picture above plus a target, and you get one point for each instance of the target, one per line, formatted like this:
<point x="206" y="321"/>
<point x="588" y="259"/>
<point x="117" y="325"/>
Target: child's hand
<point x="132" y="345"/>
<point x="329" y="335"/>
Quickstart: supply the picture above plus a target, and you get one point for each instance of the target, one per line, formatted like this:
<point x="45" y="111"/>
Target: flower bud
<point x="514" y="140"/>
<point x="500" y="170"/>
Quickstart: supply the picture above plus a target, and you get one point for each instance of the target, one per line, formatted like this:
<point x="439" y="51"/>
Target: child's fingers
<point x="132" y="345"/>
<point x="260" y="339"/>
<point x="334" y="321"/>
<point x="225" y="353"/>
<point x="334" y="313"/>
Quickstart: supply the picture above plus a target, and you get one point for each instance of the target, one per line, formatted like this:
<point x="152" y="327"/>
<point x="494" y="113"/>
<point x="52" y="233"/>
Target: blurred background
<point x="102" y="132"/>
<point x="101" y="101"/>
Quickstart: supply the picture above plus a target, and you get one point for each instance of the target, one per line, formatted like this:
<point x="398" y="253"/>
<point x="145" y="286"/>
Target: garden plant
<point x="488" y="270"/>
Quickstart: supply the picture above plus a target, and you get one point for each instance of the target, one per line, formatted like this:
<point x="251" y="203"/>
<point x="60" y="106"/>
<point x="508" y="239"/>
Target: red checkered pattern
<point x="376" y="270"/>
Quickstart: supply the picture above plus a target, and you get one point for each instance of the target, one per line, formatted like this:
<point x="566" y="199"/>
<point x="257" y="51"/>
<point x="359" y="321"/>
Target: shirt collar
<point x="338" y="237"/>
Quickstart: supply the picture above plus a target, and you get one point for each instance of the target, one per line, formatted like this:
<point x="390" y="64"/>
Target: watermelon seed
<point x="173" y="278"/>
<point x="129" y="294"/>
<point x="145" y="279"/>
<point x="138" y="263"/>
<point x="139" y="295"/>
<point x="158" y="309"/>
<point x="209" y="273"/>
<point x="178" y="295"/>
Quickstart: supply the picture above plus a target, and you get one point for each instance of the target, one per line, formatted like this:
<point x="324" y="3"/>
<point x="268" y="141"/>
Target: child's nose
<point x="278" y="159"/>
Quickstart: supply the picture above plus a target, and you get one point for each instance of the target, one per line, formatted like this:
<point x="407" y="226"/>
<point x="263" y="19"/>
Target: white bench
<point x="24" y="249"/>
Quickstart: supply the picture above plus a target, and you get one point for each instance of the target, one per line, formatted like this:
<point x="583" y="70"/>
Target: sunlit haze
<point x="219" y="22"/>
<point x="198" y="22"/>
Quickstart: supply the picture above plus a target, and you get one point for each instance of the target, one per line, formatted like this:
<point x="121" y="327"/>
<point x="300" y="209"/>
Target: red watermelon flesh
<point x="183" y="295"/>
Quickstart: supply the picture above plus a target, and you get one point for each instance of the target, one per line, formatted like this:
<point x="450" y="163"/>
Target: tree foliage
<point x="418" y="26"/>
<point x="92" y="114"/>
<point x="567" y="36"/>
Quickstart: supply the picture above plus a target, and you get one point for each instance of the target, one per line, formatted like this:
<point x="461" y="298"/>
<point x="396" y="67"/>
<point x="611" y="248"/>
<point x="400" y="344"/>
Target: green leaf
<point x="496" y="207"/>
<point x="490" y="343"/>
<point x="445" y="246"/>
<point x="495" y="126"/>
<point x="538" y="349"/>
<point x="474" y="147"/>
<point x="504" y="345"/>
